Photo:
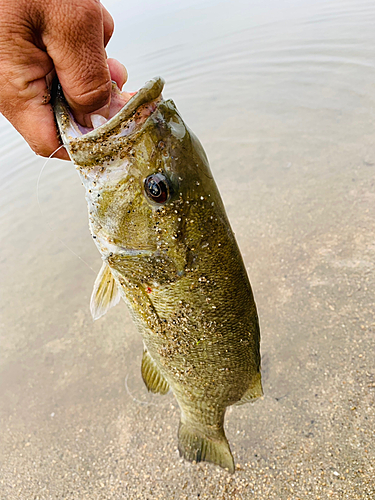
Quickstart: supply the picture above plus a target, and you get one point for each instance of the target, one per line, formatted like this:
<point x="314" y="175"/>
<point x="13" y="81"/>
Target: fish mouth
<point x="129" y="110"/>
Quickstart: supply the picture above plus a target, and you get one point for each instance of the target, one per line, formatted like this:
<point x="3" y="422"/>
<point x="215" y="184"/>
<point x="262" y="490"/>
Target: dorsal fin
<point x="153" y="379"/>
<point x="254" y="391"/>
<point x="105" y="293"/>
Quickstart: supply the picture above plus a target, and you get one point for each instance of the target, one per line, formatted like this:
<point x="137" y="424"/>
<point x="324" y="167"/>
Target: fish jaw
<point x="85" y="145"/>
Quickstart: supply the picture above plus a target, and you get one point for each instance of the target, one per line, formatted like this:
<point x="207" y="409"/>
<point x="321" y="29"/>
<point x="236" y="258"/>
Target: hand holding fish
<point x="41" y="38"/>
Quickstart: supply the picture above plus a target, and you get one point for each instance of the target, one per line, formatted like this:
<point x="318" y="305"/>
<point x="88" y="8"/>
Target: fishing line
<point x="145" y="403"/>
<point x="45" y="220"/>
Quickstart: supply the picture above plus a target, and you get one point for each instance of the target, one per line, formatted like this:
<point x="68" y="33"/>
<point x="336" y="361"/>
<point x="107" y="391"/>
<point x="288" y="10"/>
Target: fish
<point x="168" y="250"/>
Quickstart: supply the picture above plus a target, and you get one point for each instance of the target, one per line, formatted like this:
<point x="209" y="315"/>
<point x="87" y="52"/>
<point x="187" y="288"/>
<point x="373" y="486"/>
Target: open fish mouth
<point x="128" y="112"/>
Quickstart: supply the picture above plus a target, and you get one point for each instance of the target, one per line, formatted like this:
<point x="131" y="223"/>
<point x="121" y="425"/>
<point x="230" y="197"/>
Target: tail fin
<point x="193" y="445"/>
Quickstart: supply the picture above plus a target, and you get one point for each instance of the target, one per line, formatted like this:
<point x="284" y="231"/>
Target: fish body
<point x="168" y="251"/>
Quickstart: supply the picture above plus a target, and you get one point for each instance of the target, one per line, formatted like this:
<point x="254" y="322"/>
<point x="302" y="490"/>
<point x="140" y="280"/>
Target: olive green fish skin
<point x="179" y="270"/>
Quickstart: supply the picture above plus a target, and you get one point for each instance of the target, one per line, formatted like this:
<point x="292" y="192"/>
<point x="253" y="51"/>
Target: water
<point x="281" y="94"/>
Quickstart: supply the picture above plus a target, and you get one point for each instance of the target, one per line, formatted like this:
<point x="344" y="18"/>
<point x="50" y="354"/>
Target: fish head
<point x="143" y="170"/>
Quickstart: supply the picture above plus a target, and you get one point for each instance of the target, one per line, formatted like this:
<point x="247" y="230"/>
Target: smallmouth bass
<point x="168" y="251"/>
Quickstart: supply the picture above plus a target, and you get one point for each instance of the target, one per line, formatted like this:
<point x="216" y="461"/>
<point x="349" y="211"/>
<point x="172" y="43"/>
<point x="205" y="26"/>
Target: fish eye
<point x="157" y="188"/>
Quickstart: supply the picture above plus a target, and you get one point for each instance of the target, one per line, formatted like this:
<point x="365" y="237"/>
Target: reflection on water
<point x="281" y="94"/>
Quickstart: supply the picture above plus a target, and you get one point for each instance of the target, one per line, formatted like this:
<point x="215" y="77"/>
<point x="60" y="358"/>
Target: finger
<point x="108" y="25"/>
<point x="118" y="72"/>
<point x="36" y="123"/>
<point x="24" y="97"/>
<point x="75" y="43"/>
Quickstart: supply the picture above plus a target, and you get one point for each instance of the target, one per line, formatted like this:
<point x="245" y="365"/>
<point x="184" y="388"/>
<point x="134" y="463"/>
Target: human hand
<point x="41" y="38"/>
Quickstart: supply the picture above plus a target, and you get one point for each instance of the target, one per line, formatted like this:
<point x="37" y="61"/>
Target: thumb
<point x="74" y="37"/>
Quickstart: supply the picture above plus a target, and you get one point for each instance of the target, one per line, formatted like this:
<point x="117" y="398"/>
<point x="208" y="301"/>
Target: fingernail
<point x="104" y="111"/>
<point x="97" y="120"/>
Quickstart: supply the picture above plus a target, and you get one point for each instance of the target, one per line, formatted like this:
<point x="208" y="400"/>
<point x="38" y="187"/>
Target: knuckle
<point x="73" y="18"/>
<point x="44" y="143"/>
<point x="109" y="28"/>
<point x="108" y="23"/>
<point x="94" y="97"/>
<point x="86" y="11"/>
<point x="40" y="149"/>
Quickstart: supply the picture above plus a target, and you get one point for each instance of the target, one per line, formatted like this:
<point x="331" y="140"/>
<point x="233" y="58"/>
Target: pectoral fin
<point x="153" y="379"/>
<point x="105" y="293"/>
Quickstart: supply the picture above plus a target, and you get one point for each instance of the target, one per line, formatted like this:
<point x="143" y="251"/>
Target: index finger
<point x="75" y="43"/>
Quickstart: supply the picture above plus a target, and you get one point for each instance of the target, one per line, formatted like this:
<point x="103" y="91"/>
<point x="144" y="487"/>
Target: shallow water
<point x="281" y="94"/>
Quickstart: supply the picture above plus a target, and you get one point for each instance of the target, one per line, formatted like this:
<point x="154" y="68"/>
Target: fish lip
<point x="150" y="91"/>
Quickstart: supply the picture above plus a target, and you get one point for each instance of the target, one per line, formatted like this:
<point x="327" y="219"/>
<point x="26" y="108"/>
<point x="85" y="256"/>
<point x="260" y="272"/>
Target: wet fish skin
<point x="176" y="264"/>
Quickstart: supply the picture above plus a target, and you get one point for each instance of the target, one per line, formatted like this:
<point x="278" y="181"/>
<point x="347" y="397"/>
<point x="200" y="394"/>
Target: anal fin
<point x="153" y="379"/>
<point x="193" y="445"/>
<point x="254" y="392"/>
